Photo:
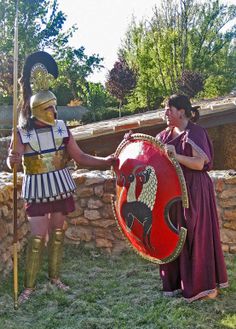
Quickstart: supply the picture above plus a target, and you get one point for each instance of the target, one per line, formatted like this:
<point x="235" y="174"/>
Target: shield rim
<point x="184" y="199"/>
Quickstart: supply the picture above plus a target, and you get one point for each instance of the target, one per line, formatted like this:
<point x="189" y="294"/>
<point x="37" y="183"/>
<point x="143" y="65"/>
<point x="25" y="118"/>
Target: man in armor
<point x="44" y="145"/>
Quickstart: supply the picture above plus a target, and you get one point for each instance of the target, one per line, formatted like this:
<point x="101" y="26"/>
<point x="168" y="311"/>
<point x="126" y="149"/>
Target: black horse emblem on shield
<point x="140" y="208"/>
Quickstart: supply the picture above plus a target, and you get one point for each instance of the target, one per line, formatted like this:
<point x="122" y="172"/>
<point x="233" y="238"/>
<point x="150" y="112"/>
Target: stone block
<point x="94" y="177"/>
<point x="117" y="233"/>
<point x="79" y="179"/>
<point x="23" y="231"/>
<point x="104" y="234"/>
<point x="107" y="198"/>
<point x="219" y="185"/>
<point x="98" y="190"/>
<point x="227" y="235"/>
<point x="78" y="212"/>
<point x="229" y="214"/>
<point x="92" y="214"/>
<point x="103" y="223"/>
<point x="227" y="203"/>
<point x="109" y="186"/>
<point x="79" y="221"/>
<point x="230" y="180"/>
<point x="5" y="211"/>
<point x="228" y="193"/>
<point x="232" y="249"/>
<point x="4" y="230"/>
<point x="225" y="247"/>
<point x="230" y="225"/>
<point x="85" y="192"/>
<point x="94" y="203"/>
<point x="82" y="202"/>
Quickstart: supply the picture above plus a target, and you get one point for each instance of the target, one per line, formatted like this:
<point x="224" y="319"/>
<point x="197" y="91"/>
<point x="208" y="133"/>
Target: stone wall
<point x="225" y="187"/>
<point x="6" y="221"/>
<point x="4" y="145"/>
<point x="93" y="223"/>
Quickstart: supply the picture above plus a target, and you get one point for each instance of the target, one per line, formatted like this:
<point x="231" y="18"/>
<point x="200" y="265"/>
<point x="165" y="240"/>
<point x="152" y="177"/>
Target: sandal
<point x="25" y="295"/>
<point x="212" y="295"/>
<point x="59" y="284"/>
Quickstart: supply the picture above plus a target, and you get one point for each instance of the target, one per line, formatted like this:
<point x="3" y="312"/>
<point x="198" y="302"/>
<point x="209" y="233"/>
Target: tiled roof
<point x="151" y="118"/>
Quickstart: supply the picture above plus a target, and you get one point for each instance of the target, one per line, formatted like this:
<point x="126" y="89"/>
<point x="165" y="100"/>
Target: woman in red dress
<point x="200" y="269"/>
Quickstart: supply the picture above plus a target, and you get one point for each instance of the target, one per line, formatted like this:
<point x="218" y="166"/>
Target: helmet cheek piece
<point x="39" y="104"/>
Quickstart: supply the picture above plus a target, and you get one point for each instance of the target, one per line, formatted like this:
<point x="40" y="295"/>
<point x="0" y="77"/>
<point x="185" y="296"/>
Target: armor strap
<point x="55" y="250"/>
<point x="33" y="260"/>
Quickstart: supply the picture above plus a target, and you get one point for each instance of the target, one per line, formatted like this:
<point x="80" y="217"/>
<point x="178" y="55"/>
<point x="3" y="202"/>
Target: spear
<point x="14" y="124"/>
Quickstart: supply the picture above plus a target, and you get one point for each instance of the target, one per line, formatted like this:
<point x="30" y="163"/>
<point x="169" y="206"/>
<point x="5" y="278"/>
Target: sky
<point x="102" y="25"/>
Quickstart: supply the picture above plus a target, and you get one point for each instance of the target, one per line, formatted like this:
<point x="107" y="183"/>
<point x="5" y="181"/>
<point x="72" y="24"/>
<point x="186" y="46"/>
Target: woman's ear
<point x="181" y="113"/>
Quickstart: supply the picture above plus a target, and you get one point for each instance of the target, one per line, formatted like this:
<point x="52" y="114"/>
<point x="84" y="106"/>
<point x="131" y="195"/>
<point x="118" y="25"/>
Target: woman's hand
<point x="195" y="162"/>
<point x="170" y="150"/>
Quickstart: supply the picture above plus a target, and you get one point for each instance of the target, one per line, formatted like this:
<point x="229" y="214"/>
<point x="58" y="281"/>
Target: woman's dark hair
<point x="182" y="102"/>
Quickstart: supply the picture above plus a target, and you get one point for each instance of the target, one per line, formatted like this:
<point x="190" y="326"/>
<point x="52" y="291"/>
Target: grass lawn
<point x="113" y="293"/>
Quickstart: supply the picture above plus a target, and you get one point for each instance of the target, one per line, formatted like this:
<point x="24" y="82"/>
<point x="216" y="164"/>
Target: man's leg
<point x="55" y="249"/>
<point x="38" y="229"/>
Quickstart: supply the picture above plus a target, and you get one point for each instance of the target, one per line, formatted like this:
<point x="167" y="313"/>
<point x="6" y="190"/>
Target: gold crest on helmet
<point x="39" y="69"/>
<point x="44" y="100"/>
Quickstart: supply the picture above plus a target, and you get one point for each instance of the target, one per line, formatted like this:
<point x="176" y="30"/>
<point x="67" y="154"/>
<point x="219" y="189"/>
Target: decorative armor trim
<point x="46" y="176"/>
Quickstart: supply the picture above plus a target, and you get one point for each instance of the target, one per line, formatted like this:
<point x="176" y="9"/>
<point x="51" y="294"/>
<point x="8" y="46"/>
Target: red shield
<point x="148" y="183"/>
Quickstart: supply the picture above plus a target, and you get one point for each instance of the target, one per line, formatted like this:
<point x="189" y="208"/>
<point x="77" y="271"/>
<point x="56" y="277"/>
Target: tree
<point x="191" y="83"/>
<point x="100" y="103"/>
<point x="74" y="68"/>
<point x="41" y="28"/>
<point x="121" y="80"/>
<point x="182" y="36"/>
<point x="40" y="23"/>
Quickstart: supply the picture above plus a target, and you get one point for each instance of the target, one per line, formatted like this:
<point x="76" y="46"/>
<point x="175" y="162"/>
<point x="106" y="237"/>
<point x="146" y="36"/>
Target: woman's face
<point x="173" y="116"/>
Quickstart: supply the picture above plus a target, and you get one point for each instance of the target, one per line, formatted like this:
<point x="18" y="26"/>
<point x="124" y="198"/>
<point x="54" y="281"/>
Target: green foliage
<point x="41" y="27"/>
<point x="100" y="103"/>
<point x="74" y="68"/>
<point x="215" y="86"/>
<point x="102" y="114"/>
<point x="182" y="36"/>
<point x="113" y="293"/>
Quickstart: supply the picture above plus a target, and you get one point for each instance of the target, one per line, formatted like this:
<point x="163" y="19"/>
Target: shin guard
<point x="55" y="250"/>
<point x="33" y="260"/>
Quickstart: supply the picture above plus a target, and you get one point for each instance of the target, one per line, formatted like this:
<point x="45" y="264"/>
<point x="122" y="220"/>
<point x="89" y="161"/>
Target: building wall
<point x="223" y="138"/>
<point x="93" y="223"/>
<point x="224" y="141"/>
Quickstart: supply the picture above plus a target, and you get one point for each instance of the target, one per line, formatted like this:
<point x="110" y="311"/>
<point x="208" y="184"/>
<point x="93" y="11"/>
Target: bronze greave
<point x="55" y="250"/>
<point x="33" y="260"/>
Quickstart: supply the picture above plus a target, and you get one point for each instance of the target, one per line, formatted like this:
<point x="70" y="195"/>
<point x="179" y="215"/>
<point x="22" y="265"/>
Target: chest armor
<point x="44" y="161"/>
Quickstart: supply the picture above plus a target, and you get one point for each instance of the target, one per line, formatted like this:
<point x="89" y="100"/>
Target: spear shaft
<point x="14" y="124"/>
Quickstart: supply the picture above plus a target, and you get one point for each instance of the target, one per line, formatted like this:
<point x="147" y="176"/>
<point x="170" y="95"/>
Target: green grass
<point x="113" y="293"/>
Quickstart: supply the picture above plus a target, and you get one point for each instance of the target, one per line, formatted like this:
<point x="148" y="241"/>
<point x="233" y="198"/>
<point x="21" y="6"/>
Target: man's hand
<point x="13" y="158"/>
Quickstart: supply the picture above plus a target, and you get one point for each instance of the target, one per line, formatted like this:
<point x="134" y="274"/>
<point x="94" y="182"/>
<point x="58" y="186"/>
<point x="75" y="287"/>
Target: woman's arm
<point x="86" y="159"/>
<point x="196" y="162"/>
